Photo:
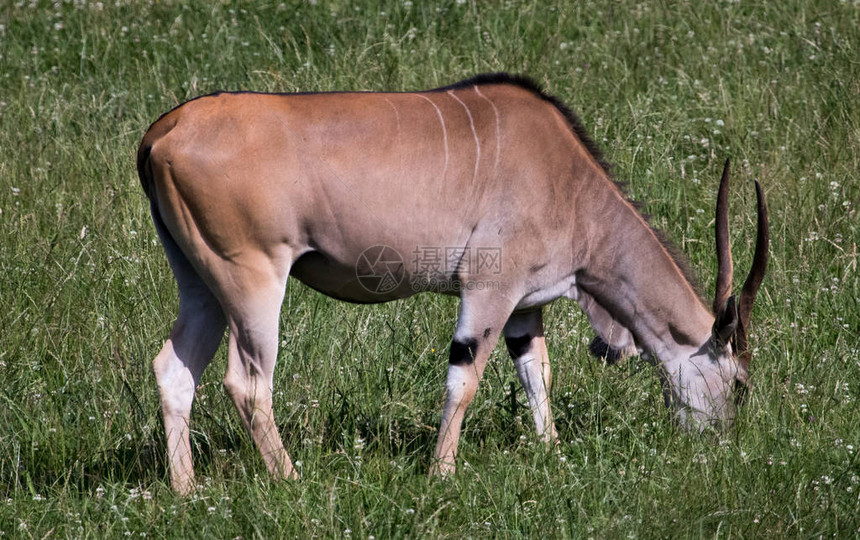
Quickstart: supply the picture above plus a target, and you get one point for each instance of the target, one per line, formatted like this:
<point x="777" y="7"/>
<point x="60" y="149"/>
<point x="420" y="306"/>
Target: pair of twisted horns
<point x="723" y="296"/>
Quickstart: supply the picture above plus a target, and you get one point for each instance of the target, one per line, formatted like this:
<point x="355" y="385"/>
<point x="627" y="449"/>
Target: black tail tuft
<point x="144" y="169"/>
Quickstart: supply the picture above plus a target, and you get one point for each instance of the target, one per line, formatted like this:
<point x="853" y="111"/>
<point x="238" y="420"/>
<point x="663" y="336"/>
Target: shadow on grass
<point x="141" y="460"/>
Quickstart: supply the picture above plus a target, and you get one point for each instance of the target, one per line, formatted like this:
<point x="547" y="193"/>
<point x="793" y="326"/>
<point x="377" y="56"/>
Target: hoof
<point x="442" y="469"/>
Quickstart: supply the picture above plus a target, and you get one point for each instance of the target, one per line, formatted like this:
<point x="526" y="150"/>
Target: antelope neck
<point x="634" y="277"/>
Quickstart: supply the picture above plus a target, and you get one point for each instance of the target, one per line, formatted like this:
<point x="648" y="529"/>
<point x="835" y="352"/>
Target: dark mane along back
<point x="526" y="83"/>
<point x="521" y="81"/>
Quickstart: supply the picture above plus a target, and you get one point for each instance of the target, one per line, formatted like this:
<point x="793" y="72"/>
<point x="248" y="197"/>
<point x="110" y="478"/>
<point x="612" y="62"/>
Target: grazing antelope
<point x="247" y="189"/>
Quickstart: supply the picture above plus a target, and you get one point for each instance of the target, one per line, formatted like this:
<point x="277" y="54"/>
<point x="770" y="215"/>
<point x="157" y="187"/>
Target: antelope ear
<point x="726" y="322"/>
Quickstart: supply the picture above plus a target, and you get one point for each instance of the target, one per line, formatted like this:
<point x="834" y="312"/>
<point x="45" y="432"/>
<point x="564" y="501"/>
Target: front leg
<point x="527" y="347"/>
<point x="478" y="329"/>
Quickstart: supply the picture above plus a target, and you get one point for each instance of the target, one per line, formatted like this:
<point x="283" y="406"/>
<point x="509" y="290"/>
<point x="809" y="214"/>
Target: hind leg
<point x="178" y="367"/>
<point x="190" y="347"/>
<point x="527" y="347"/>
<point x="253" y="317"/>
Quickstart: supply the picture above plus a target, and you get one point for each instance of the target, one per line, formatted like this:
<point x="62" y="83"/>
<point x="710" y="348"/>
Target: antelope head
<point x="715" y="380"/>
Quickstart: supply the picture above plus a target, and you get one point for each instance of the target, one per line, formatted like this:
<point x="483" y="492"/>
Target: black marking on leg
<point x="600" y="349"/>
<point x="518" y="346"/>
<point x="463" y="352"/>
<point x="487" y="332"/>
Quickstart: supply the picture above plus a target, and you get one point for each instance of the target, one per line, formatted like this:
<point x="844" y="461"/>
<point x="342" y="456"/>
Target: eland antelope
<point x="488" y="189"/>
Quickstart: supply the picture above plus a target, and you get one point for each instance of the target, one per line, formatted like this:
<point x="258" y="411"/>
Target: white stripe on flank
<point x="474" y="134"/>
<point x="444" y="132"/>
<point x="397" y="116"/>
<point x="396" y="113"/>
<point x="498" y="128"/>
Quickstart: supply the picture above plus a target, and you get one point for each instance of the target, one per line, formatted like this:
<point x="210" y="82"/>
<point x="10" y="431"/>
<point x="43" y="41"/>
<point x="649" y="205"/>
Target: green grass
<point x="86" y="295"/>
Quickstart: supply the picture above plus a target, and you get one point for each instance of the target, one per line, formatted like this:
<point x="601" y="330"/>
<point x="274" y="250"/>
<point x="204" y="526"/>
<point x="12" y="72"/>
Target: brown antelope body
<point x="488" y="189"/>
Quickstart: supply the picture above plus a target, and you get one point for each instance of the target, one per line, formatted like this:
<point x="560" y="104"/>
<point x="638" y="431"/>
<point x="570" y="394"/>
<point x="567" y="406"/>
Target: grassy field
<point x="670" y="91"/>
